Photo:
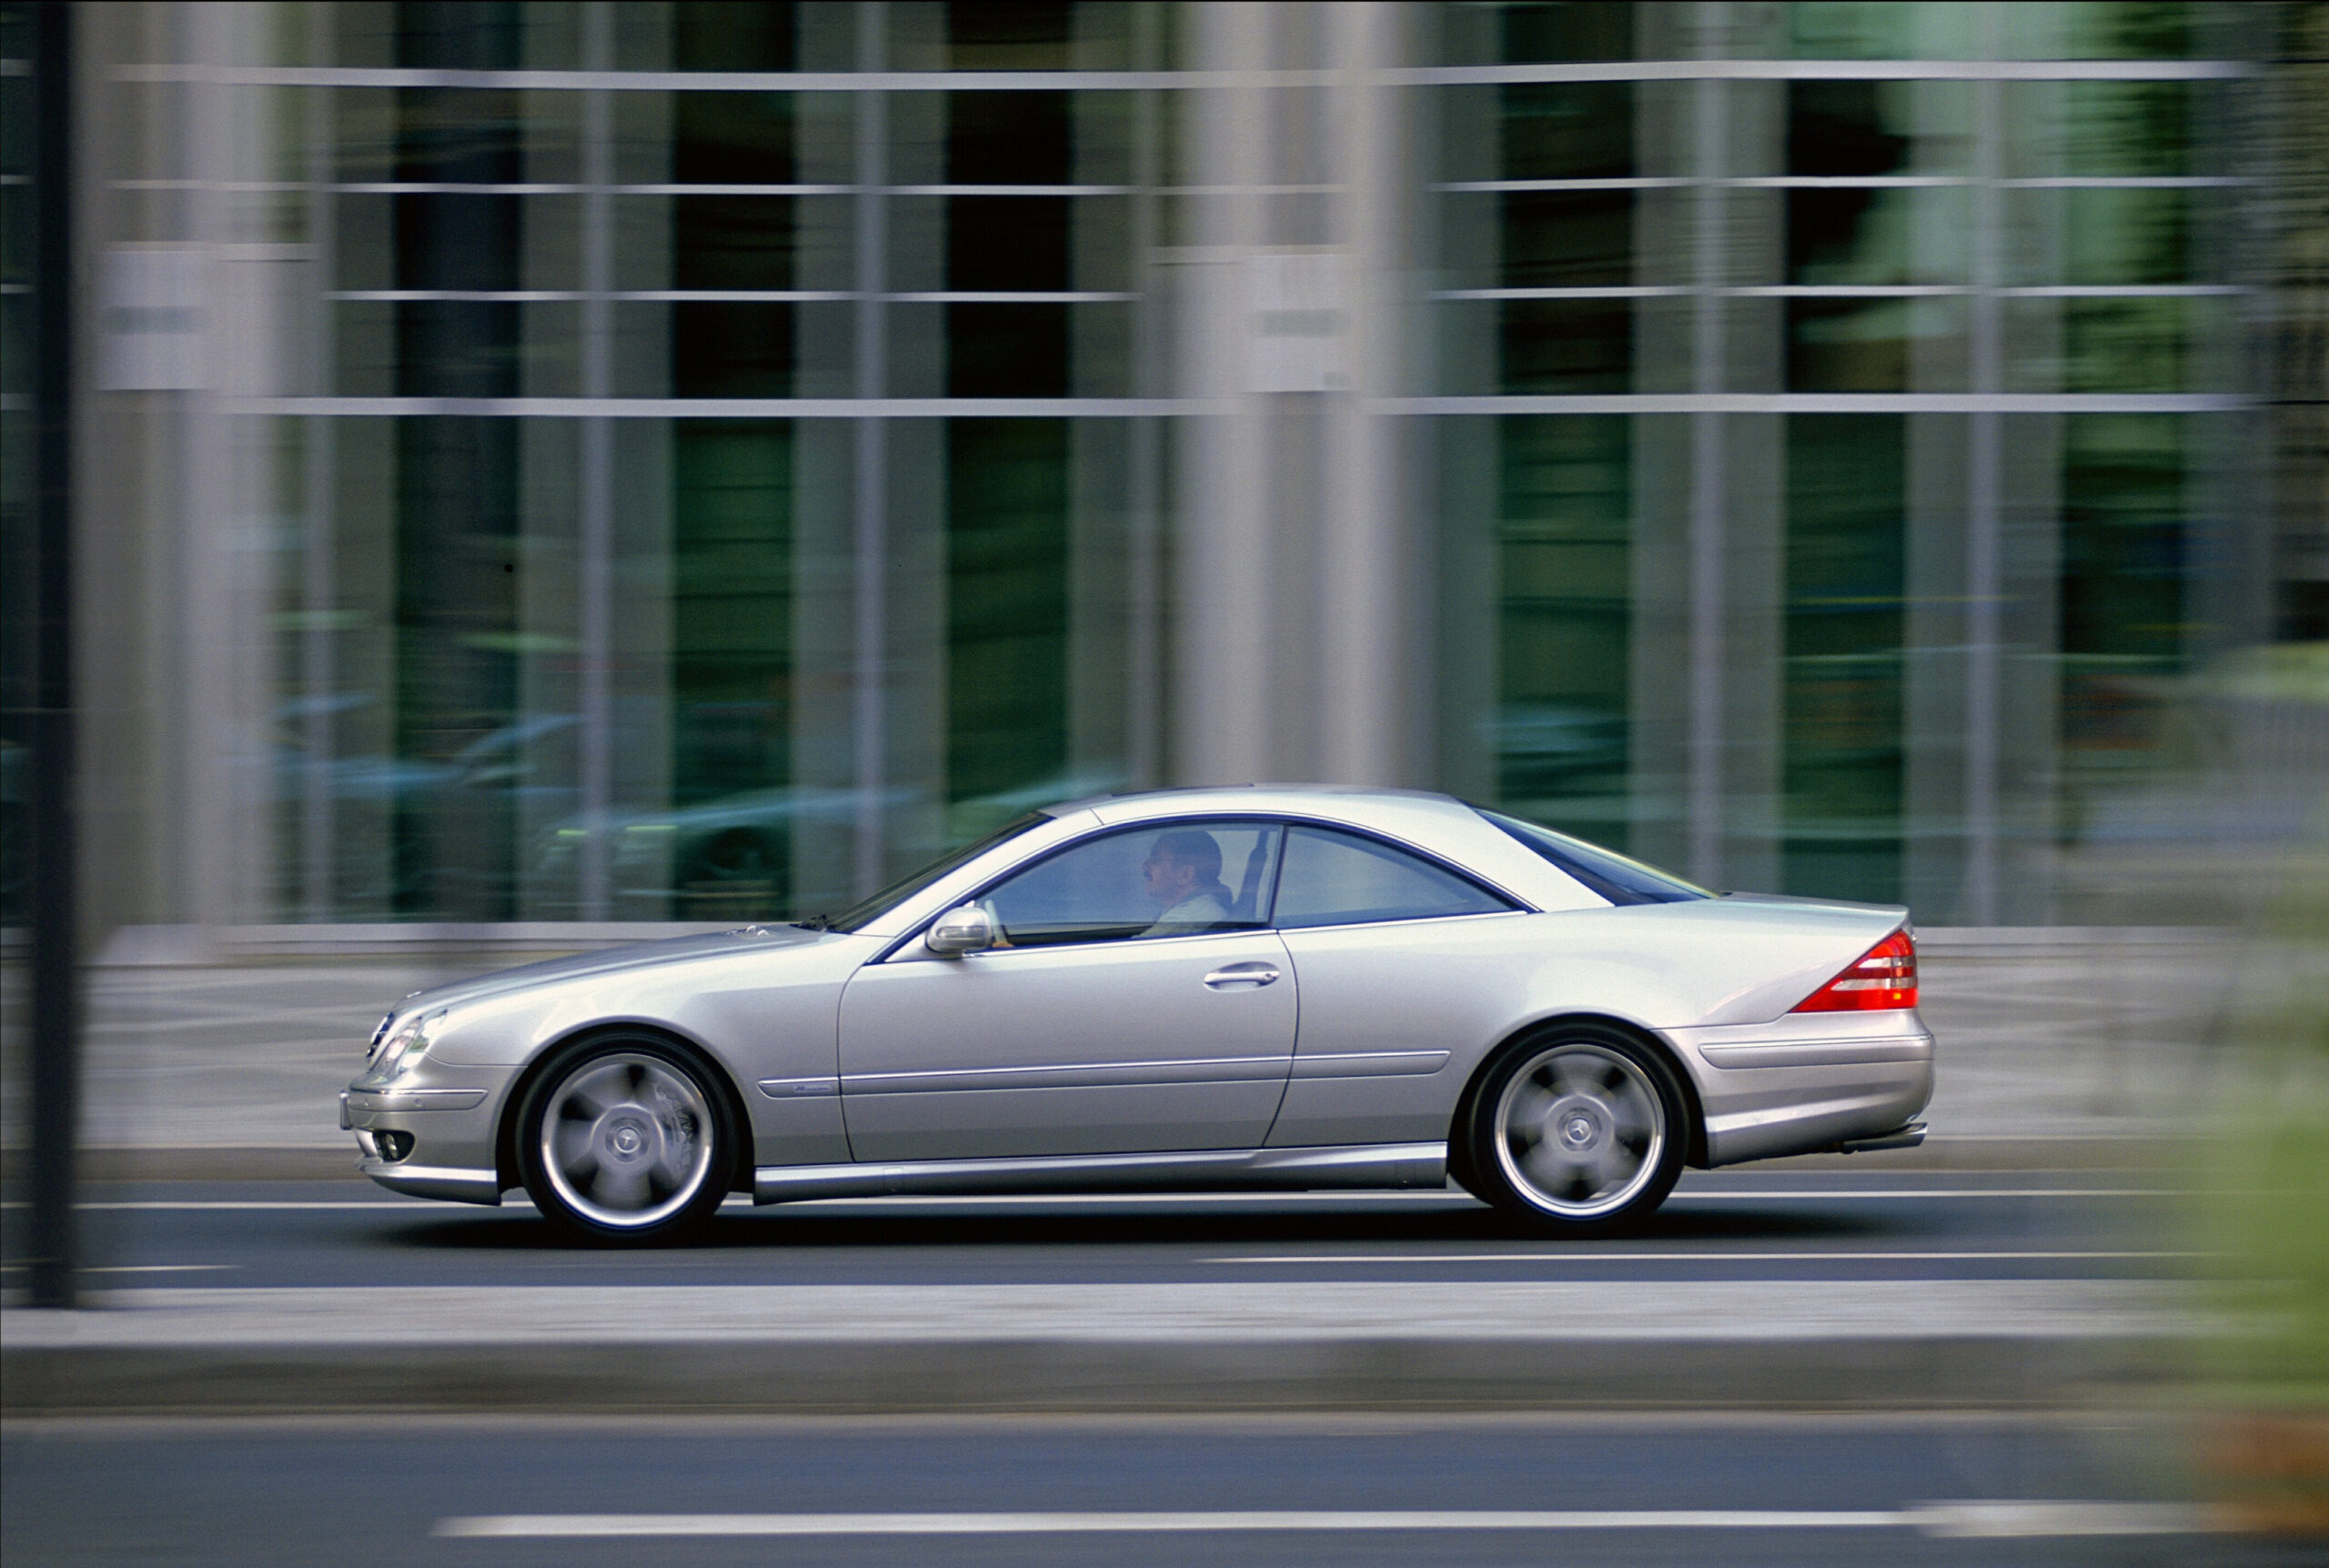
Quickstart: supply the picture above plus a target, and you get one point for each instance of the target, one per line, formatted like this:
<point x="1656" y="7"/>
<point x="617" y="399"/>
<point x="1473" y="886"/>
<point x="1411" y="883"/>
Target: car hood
<point x="608" y="961"/>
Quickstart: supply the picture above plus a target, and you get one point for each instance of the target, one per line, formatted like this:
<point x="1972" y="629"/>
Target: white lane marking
<point x="1805" y="1255"/>
<point x="138" y="1268"/>
<point x="1944" y="1518"/>
<point x="265" y="1203"/>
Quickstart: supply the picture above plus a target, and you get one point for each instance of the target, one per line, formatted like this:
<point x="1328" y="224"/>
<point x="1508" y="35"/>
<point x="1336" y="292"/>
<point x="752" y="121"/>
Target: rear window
<point x="1607" y="872"/>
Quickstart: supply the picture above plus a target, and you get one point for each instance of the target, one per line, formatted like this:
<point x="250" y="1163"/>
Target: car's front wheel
<point x="1578" y="1131"/>
<point x="625" y="1139"/>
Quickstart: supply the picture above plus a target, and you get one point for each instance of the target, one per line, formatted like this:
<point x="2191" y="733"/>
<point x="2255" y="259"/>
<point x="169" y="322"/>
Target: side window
<point x="1342" y="879"/>
<point x="1160" y="879"/>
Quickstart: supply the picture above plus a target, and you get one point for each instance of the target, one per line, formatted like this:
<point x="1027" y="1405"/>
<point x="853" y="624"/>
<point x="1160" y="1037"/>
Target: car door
<point x="1109" y="1018"/>
<point x="1404" y="964"/>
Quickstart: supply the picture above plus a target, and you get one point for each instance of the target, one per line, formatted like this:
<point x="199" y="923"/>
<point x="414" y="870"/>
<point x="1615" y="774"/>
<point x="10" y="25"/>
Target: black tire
<point x="1578" y="1130"/>
<point x="626" y="1138"/>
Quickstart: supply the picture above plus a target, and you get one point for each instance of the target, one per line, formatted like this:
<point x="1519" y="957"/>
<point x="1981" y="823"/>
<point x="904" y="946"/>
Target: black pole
<point x="55" y="1066"/>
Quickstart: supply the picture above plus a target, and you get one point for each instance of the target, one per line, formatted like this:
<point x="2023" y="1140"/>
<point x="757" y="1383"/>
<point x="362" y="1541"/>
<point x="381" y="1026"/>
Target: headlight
<point x="403" y="1050"/>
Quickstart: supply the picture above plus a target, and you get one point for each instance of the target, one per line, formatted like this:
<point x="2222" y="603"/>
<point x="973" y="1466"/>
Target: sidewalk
<point x="1767" y="1344"/>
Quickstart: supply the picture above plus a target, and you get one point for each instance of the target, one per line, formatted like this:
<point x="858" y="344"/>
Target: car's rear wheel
<point x="1578" y="1131"/>
<point x="625" y="1140"/>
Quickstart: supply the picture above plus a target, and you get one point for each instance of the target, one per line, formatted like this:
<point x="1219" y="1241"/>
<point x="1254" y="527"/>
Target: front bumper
<point x="448" y="1131"/>
<point x="1807" y="1083"/>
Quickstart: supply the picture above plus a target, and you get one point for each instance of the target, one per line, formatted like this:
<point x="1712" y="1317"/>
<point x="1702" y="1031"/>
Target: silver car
<point x="1255" y="988"/>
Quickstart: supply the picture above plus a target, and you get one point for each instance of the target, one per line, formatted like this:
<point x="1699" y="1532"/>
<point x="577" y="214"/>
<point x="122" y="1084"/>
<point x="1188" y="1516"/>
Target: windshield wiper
<point x="814" y="923"/>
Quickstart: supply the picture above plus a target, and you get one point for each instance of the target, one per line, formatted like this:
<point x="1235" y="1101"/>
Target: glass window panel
<point x="456" y="683"/>
<point x="1862" y="30"/>
<point x="2125" y="562"/>
<point x="1574" y="30"/>
<point x="1007" y="243"/>
<point x="725" y="848"/>
<point x="2127" y="127"/>
<point x="1850" y="127"/>
<point x="1565" y="600"/>
<point x="1009" y="139"/>
<point x="1148" y="881"/>
<point x="2113" y="29"/>
<point x="2126" y="236"/>
<point x="1012" y="36"/>
<point x="1870" y="345"/>
<point x="1846" y="578"/>
<point x="1335" y="878"/>
<point x="1562" y="239"/>
<point x="1006" y="612"/>
<point x="1567" y="345"/>
<point x="731" y="348"/>
<point x="2132" y="345"/>
<point x="731" y="241"/>
<point x="731" y="36"/>
<point x="1569" y="130"/>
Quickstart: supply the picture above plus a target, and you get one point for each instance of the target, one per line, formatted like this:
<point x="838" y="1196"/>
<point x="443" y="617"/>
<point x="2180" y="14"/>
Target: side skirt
<point x="1354" y="1166"/>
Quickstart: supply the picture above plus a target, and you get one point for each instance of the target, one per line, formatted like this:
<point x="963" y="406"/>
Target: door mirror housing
<point x="963" y="930"/>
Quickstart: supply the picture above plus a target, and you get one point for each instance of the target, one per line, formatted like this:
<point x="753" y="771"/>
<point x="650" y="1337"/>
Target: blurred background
<point x="546" y="475"/>
<point x="588" y="463"/>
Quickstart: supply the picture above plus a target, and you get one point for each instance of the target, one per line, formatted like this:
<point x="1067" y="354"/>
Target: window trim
<point x="1515" y="904"/>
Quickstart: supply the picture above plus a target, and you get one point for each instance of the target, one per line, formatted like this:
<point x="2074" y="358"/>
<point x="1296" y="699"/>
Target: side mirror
<point x="963" y="930"/>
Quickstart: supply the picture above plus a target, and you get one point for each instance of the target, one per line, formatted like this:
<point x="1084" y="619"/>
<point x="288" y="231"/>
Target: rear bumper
<point x="1809" y="1083"/>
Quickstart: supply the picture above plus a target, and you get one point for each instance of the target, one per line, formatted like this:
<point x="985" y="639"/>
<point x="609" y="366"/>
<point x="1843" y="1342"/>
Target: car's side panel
<point x="1394" y="1016"/>
<point x="761" y="1012"/>
<point x="1089" y="1049"/>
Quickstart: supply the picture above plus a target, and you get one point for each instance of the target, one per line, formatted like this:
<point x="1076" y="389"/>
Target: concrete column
<point x="1296" y="652"/>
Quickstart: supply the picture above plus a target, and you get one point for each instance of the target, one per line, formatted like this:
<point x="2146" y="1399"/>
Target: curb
<point x="1080" y="1376"/>
<point x="1318" y="1345"/>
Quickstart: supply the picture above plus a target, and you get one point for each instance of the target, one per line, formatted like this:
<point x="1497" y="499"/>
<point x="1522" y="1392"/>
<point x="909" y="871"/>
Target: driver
<point x="1183" y="874"/>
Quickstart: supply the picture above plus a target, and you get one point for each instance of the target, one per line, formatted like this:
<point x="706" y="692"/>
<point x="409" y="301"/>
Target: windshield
<point x="1607" y="872"/>
<point x="862" y="915"/>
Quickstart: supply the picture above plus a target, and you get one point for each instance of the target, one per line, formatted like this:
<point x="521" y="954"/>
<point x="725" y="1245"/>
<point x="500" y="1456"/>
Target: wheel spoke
<point x="620" y="1186"/>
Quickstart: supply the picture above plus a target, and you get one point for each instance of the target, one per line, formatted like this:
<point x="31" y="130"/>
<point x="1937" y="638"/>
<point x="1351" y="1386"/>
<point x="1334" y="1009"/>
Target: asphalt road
<point x="1792" y="1224"/>
<point x="1351" y="1490"/>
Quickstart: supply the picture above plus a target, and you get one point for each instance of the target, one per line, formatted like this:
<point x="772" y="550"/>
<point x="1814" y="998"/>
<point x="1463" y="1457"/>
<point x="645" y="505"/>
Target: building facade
<point x="694" y="461"/>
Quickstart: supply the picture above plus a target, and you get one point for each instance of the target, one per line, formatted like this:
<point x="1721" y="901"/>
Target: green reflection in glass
<point x="1569" y="30"/>
<point x="2123" y="562"/>
<point x="2128" y="344"/>
<point x="1564" y="607"/>
<point x="2127" y="127"/>
<point x="1007" y="609"/>
<point x="1862" y="30"/>
<point x="1846" y="575"/>
<point x="732" y="668"/>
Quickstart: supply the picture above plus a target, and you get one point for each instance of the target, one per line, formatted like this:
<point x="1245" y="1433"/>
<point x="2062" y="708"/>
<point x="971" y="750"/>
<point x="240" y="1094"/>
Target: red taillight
<point x="1884" y="977"/>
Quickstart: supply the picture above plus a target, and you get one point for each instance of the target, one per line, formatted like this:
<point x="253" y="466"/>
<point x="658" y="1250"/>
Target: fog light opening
<point x="393" y="1146"/>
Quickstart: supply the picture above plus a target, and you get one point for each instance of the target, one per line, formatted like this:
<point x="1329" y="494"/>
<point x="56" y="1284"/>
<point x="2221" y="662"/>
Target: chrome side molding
<point x="1358" y="1166"/>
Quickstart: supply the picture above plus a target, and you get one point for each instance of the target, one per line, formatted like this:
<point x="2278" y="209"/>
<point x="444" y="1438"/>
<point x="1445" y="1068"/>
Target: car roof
<point x="1328" y="800"/>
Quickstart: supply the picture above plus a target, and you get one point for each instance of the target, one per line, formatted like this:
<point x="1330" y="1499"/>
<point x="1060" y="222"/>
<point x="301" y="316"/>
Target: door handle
<point x="1254" y="974"/>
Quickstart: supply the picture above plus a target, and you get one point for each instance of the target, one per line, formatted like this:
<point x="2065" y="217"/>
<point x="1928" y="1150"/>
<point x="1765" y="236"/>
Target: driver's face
<point x="1167" y="880"/>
